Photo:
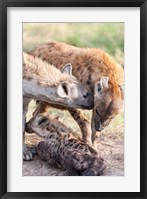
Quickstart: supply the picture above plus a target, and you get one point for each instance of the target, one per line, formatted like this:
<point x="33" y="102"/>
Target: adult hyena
<point x="62" y="148"/>
<point x="98" y="72"/>
<point x="44" y="82"/>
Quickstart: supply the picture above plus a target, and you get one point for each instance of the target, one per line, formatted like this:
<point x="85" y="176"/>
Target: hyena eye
<point x="43" y="120"/>
<point x="99" y="88"/>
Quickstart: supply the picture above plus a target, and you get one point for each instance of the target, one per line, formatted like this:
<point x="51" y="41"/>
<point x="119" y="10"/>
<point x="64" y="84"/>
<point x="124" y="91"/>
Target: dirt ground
<point x="110" y="147"/>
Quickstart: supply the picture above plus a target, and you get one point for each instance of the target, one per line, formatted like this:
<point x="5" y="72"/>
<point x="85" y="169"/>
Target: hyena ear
<point x="102" y="84"/>
<point x="63" y="90"/>
<point x="59" y="117"/>
<point x="67" y="69"/>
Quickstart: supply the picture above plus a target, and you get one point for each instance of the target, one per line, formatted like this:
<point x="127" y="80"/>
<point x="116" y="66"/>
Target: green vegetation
<point x="108" y="36"/>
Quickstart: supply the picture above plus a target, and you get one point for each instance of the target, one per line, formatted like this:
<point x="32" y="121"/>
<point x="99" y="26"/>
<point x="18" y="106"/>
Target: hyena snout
<point x="86" y="99"/>
<point x="30" y="124"/>
<point x="99" y="126"/>
<point x="89" y="97"/>
<point x="28" y="128"/>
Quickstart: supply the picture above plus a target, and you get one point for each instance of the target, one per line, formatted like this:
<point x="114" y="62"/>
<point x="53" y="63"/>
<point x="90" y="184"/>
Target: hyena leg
<point x="95" y="134"/>
<point x="27" y="154"/>
<point x="83" y="123"/>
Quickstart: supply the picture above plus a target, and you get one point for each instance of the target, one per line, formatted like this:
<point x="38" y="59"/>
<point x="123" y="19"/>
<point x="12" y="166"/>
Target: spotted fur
<point x="63" y="147"/>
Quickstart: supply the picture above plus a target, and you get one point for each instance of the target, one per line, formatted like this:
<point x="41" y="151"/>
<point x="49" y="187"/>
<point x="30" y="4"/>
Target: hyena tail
<point x="96" y="169"/>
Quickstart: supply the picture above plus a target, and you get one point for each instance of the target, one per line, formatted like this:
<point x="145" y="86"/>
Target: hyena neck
<point x="54" y="137"/>
<point x="60" y="127"/>
<point x="68" y="131"/>
<point x="32" y="90"/>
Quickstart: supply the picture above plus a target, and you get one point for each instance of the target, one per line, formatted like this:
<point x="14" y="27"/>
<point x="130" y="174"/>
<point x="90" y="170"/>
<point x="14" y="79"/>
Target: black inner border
<point x="4" y="4"/>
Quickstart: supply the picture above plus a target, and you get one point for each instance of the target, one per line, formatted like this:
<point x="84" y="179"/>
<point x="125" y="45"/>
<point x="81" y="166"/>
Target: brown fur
<point x="62" y="148"/>
<point x="89" y="66"/>
<point x="45" y="73"/>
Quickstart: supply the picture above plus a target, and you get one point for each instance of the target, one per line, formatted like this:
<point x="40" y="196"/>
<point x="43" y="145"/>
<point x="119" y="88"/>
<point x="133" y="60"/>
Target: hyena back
<point x="44" y="82"/>
<point x="61" y="147"/>
<point x="98" y="72"/>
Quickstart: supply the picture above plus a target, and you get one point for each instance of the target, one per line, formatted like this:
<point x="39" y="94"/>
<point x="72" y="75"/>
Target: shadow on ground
<point x="110" y="147"/>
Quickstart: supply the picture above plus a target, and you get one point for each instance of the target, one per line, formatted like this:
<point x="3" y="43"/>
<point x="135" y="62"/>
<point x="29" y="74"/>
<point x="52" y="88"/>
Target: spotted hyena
<point x="44" y="82"/>
<point x="61" y="146"/>
<point x="98" y="72"/>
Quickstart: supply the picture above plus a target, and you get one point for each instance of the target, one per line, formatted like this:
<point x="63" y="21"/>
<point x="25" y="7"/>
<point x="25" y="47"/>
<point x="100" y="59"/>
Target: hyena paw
<point x="27" y="154"/>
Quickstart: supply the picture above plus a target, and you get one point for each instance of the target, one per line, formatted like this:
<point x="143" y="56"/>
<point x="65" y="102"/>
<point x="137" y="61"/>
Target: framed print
<point x="73" y="81"/>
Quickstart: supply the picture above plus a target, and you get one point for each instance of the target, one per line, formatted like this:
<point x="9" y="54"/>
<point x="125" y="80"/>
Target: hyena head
<point x="40" y="125"/>
<point x="107" y="103"/>
<point x="64" y="88"/>
<point x="73" y="92"/>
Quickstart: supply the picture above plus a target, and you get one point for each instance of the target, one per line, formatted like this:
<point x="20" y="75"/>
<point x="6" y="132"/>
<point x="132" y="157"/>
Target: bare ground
<point x="110" y="147"/>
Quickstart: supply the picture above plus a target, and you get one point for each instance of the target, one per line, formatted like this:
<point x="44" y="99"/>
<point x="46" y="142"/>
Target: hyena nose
<point x="99" y="127"/>
<point x="85" y="95"/>
<point x="28" y="129"/>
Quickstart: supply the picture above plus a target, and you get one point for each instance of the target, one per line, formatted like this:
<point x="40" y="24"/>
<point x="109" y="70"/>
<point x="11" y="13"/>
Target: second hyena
<point x="63" y="147"/>
<point x="44" y="82"/>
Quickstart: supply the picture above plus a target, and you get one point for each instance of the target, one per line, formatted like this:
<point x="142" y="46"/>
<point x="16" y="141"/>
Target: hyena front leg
<point x="83" y="123"/>
<point x="27" y="154"/>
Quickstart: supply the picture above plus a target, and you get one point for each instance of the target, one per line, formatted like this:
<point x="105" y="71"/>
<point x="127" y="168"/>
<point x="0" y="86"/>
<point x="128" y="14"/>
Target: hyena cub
<point x="63" y="147"/>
